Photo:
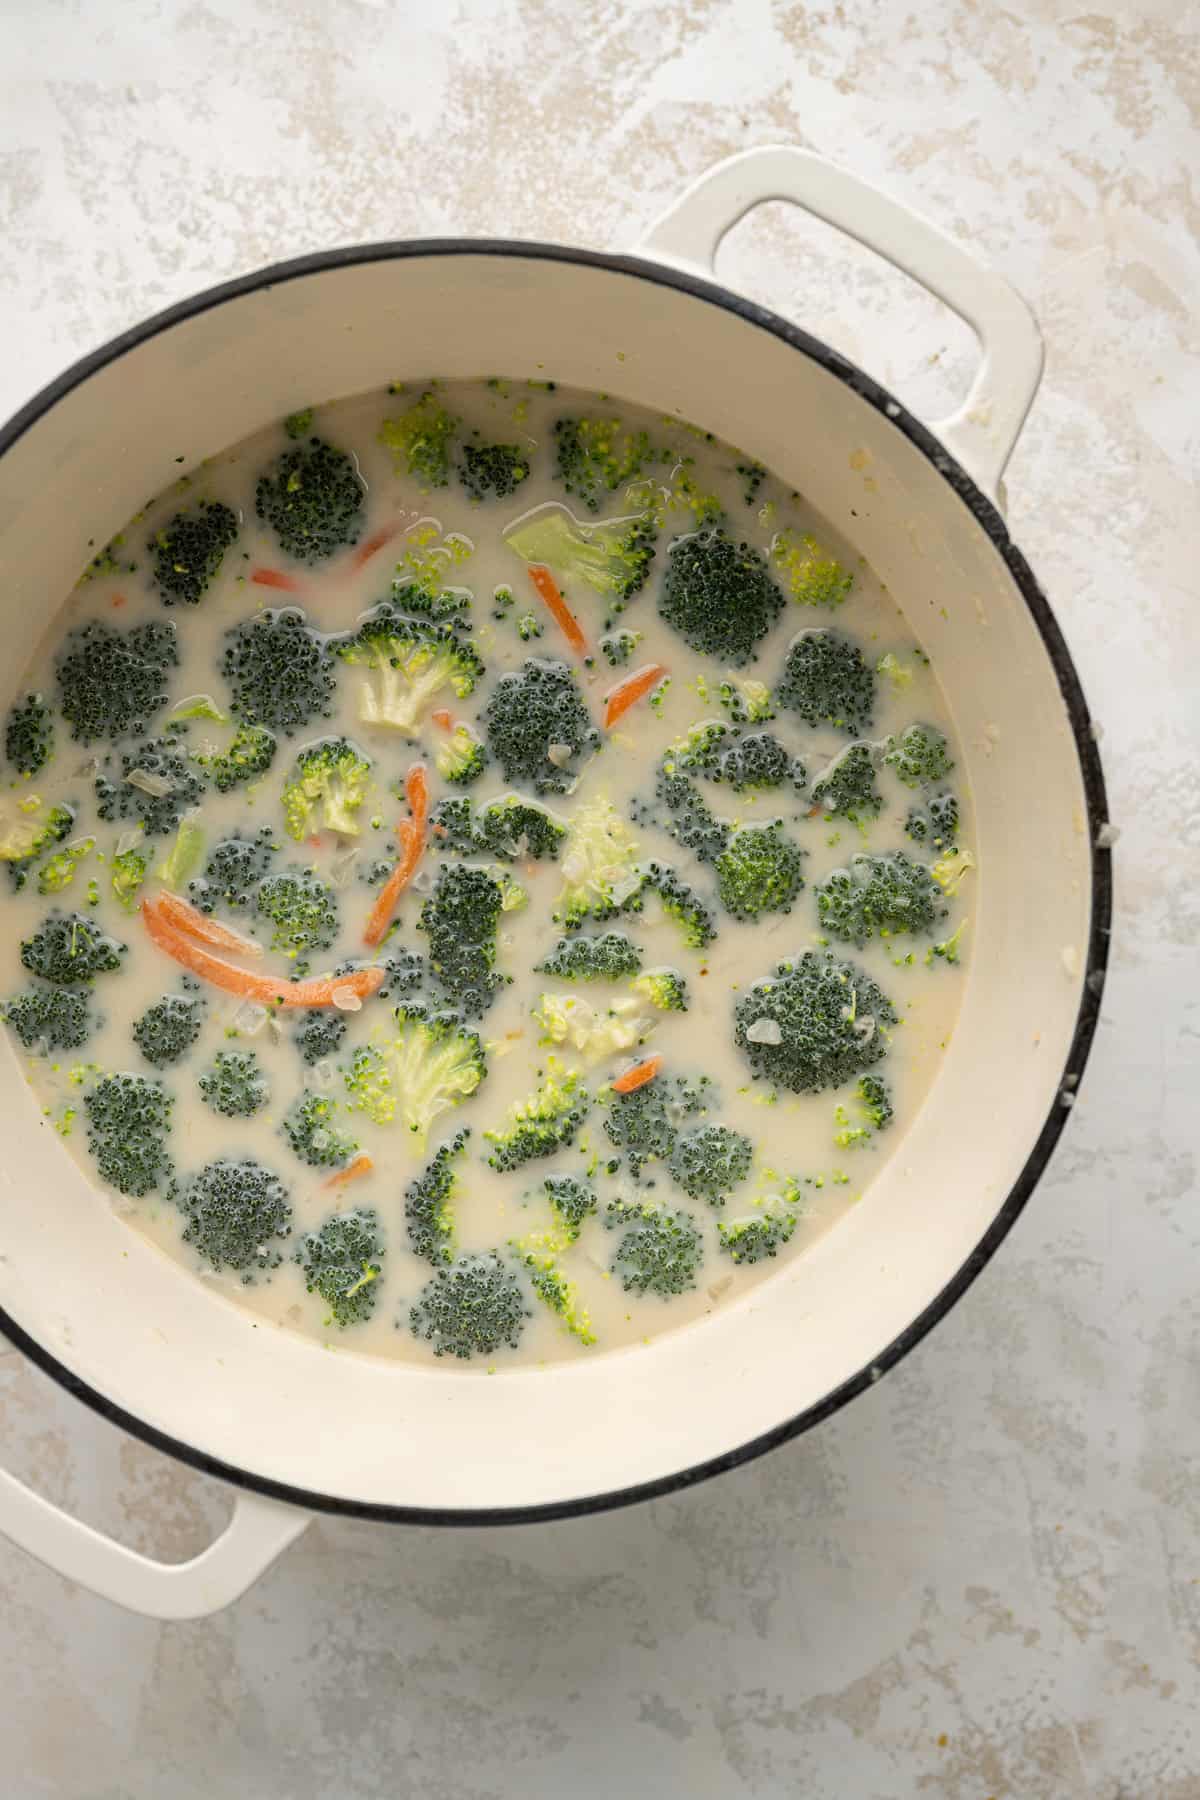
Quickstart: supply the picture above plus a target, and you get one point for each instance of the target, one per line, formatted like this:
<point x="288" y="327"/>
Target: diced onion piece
<point x="764" y="1031"/>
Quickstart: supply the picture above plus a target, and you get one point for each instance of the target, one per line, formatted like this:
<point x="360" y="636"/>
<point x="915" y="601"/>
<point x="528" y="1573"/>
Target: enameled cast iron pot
<point x="298" y="1429"/>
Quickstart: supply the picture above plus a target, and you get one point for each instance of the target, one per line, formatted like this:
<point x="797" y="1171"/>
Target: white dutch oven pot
<point x="297" y="1428"/>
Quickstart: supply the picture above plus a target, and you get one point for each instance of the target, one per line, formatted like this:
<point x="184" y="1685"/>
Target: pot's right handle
<point x="982" y="433"/>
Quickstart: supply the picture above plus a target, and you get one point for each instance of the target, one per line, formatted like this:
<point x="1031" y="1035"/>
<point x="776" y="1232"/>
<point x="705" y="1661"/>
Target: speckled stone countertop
<point x="983" y="1579"/>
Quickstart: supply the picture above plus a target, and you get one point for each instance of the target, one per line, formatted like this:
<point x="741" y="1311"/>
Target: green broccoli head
<point x="754" y="1239"/>
<point x="684" y="813"/>
<point x="301" y="910"/>
<point x="719" y="596"/>
<point x="828" y="682"/>
<point x="111" y="683"/>
<point x="920" y="755"/>
<point x="873" y="1111"/>
<point x="644" y="1124"/>
<point x="166" y="1031"/>
<point x="415" y="1070"/>
<point x="127" y="871"/>
<point x="420" y="440"/>
<point x="756" y="763"/>
<point x="48" y="1019"/>
<point x="129" y="1121"/>
<point x="309" y="1128"/>
<point x="879" y="896"/>
<point x="299" y="423"/>
<point x="326" y="788"/>
<point x="746" y="701"/>
<point x="660" y="1251"/>
<point x="66" y="949"/>
<point x="664" y="988"/>
<point x="188" y="552"/>
<point x="812" y="577"/>
<point x="846" y="789"/>
<point x="461" y="918"/>
<point x="594" y="457"/>
<point x="815" y="1023"/>
<point x="317" y="1035"/>
<point x="247" y="758"/>
<point x="460" y="758"/>
<point x="544" y="1123"/>
<point x="157" y="784"/>
<point x="709" y="1161"/>
<point x="493" y="471"/>
<point x="280" y="672"/>
<point x="409" y="662"/>
<point x="571" y="1201"/>
<point x="614" y="559"/>
<point x="471" y="1308"/>
<point x="608" y="957"/>
<point x="510" y="829"/>
<point x="29" y="735"/>
<point x="935" y="822"/>
<point x="312" y="499"/>
<point x="342" y="1261"/>
<point x="59" y="870"/>
<point x="760" y="871"/>
<point x="28" y="828"/>
<point x="233" y="871"/>
<point x="430" y="1199"/>
<point x="538" y="727"/>
<point x="234" y="1085"/>
<point x="618" y="646"/>
<point x="682" y="904"/>
<point x="237" y="1213"/>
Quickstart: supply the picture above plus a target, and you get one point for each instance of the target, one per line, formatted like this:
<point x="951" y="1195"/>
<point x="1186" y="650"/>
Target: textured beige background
<point x="984" y="1579"/>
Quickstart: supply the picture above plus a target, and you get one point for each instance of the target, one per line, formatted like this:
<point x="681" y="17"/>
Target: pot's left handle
<point x="258" y="1532"/>
<point x="982" y="433"/>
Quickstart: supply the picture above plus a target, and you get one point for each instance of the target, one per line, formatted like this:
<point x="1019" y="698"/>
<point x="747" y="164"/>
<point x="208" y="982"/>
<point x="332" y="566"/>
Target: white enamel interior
<point x="155" y="1341"/>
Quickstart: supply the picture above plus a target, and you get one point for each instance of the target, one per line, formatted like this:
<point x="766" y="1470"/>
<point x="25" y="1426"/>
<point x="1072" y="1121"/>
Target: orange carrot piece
<point x="358" y="1165"/>
<point x="638" y="1076"/>
<point x="618" y="700"/>
<point x="416" y="792"/>
<point x="275" y="578"/>
<point x="270" y="990"/>
<point x="443" y="716"/>
<point x="177" y="911"/>
<point x="410" y="834"/>
<point x="548" y="589"/>
<point x="118" y="600"/>
<point x="366" y="550"/>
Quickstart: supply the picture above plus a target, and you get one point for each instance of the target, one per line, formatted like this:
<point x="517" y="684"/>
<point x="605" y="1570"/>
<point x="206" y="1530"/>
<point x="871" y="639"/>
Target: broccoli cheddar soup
<point x="488" y="874"/>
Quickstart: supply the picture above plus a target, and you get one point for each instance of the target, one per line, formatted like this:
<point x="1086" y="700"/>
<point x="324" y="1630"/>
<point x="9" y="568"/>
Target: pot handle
<point x="982" y="433"/>
<point x="258" y="1532"/>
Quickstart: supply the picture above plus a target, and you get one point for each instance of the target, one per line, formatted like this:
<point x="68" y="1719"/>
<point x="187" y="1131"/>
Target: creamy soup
<point x="489" y="876"/>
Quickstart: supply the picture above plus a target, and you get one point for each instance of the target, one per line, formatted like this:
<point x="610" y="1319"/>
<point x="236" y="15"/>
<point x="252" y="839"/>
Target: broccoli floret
<point x="249" y="756"/>
<point x="110" y="682"/>
<point x="29" y="735"/>
<point x="645" y="1123"/>
<point x="878" y="895"/>
<point x="710" y="1161"/>
<point x="232" y="873"/>
<point x="58" y="871"/>
<point x="660" y="1250"/>
<point x="429" y="599"/>
<point x="319" y="1034"/>
<point x="471" y="1308"/>
<point x="415" y="1071"/>
<point x="529" y="626"/>
<point x="874" y="1108"/>
<point x="694" y="917"/>
<point x="609" y="957"/>
<point x="299" y="424"/>
<point x="309" y="1129"/>
<point x="312" y="498"/>
<point x="664" y="988"/>
<point x="827" y="681"/>
<point x="531" y="712"/>
<point x="815" y="1023"/>
<point x="687" y="816"/>
<point x="746" y="702"/>
<point x="410" y="662"/>
<point x="234" y="1208"/>
<point x="544" y="1123"/>
<point x="592" y="1036"/>
<point x="28" y="828"/>
<point x="493" y="470"/>
<point x="189" y="551"/>
<point x="129" y="1120"/>
<point x="614" y="558"/>
<point x="167" y="1030"/>
<point x="67" y="950"/>
<point x="949" y="951"/>
<point x="127" y="873"/>
<point x="759" y="872"/>
<point x="718" y="596"/>
<point x="342" y="1261"/>
<point x="594" y="457"/>
<point x="618" y="646"/>
<point x="757" y="762"/>
<point x="404" y="971"/>
<point x="420" y="441"/>
<point x="511" y="829"/>
<point x="952" y="869"/>
<point x="326" y="788"/>
<point x="302" y="910"/>
<point x="753" y="475"/>
<point x="234" y="1085"/>
<point x="156" y="786"/>
<point x="920" y="755"/>
<point x="679" y="497"/>
<point x="847" y="788"/>
<point x="460" y="919"/>
<point x="601" y="873"/>
<point x="699" y="750"/>
<point x="460" y="758"/>
<point x="280" y="672"/>
<point x="758" y="1237"/>
<point x="811" y="577"/>
<point x="935" y="823"/>
<point x="539" y="1252"/>
<point x="429" y="1202"/>
<point x="571" y="1201"/>
<point x="47" y="1019"/>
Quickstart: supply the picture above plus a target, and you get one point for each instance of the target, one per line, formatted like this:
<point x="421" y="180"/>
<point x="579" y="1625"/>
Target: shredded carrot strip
<point x="358" y="1165"/>
<point x="547" y="587"/>
<point x="638" y="1076"/>
<point x="118" y="599"/>
<point x="618" y="700"/>
<point x="442" y="716"/>
<point x="416" y="792"/>
<point x="275" y="578"/>
<point x="366" y="550"/>
<point x="177" y="911"/>
<point x="318" y="991"/>
<point x="410" y="834"/>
